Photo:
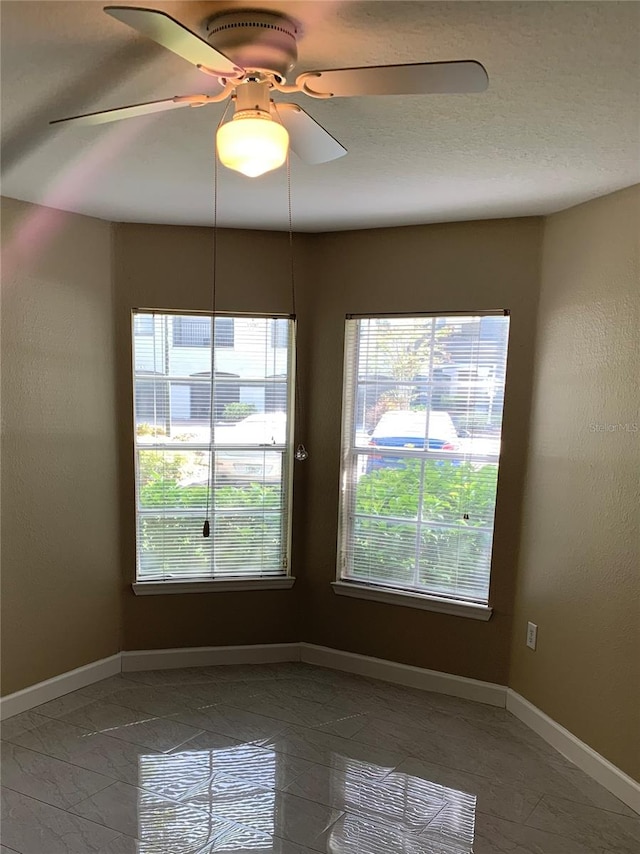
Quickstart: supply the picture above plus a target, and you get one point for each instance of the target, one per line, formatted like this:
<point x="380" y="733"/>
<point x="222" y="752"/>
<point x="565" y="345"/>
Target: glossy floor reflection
<point x="291" y="759"/>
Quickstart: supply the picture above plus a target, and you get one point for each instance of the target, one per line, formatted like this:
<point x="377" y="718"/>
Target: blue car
<point x="403" y="428"/>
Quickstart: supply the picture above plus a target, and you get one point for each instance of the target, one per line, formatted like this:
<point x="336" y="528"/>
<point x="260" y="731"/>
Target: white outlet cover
<point x="532" y="635"/>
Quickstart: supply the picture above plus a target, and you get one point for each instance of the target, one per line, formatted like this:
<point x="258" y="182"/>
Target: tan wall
<point x="60" y="576"/>
<point x="459" y="266"/>
<point x="171" y="267"/>
<point x="579" y="568"/>
<point x="579" y="576"/>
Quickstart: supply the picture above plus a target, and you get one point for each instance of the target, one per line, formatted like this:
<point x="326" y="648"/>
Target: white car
<point x="252" y="449"/>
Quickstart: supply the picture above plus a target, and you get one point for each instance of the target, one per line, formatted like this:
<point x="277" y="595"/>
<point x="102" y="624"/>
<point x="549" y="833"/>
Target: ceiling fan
<point x="250" y="53"/>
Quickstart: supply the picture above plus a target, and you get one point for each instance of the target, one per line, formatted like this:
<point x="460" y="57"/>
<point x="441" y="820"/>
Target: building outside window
<point x="195" y="331"/>
<point x="143" y="324"/>
<point x="279" y="333"/>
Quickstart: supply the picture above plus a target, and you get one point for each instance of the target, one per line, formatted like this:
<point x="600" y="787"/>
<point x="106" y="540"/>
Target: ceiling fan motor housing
<point x="256" y="41"/>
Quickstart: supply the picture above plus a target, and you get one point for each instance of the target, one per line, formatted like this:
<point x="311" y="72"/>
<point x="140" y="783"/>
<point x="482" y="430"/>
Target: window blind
<point x="240" y="440"/>
<point x="422" y="408"/>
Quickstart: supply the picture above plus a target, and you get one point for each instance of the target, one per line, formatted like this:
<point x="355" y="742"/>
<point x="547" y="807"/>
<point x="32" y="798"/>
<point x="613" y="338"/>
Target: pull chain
<point x="301" y="453"/>
<point x="211" y="474"/>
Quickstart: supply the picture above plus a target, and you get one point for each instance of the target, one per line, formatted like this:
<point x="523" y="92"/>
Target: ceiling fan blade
<point x="310" y="141"/>
<point x="420" y="78"/>
<point x="173" y="35"/>
<point x="132" y="111"/>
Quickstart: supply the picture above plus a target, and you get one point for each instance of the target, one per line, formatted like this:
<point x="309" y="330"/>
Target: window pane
<point x="171" y="546"/>
<point x="243" y="478"/>
<point x="423" y="401"/>
<point x="388" y="486"/>
<point x="224" y="332"/>
<point x="143" y="324"/>
<point x="191" y="331"/>
<point x="244" y="542"/>
<point x="455" y="562"/>
<point x="178" y="410"/>
<point x="195" y="331"/>
<point x="280" y="333"/>
<point x="383" y="551"/>
<point x="240" y="467"/>
<point x="172" y="479"/>
<point x="459" y="492"/>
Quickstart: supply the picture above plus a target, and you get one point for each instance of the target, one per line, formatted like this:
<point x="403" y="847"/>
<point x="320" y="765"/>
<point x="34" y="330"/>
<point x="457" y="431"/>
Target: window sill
<point x="222" y="585"/>
<point x="413" y="600"/>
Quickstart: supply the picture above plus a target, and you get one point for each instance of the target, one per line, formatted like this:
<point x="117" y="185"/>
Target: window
<point x="280" y="334"/>
<point x="195" y="331"/>
<point x="251" y="458"/>
<point x="423" y="403"/>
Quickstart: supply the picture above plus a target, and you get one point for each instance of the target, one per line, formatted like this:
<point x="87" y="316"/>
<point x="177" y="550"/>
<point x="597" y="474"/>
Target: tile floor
<point x="291" y="759"/>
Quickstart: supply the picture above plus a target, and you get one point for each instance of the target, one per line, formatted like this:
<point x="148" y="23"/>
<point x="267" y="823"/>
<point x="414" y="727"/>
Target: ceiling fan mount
<point x="256" y="41"/>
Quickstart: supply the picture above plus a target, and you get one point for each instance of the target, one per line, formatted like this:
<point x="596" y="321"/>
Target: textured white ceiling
<point x="560" y="123"/>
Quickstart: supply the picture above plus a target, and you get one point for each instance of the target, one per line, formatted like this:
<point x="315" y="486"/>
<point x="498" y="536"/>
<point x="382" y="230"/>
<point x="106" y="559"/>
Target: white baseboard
<point x="163" y="659"/>
<point x="604" y="772"/>
<point x="57" y="686"/>
<point x="599" y="768"/>
<point x="405" y="674"/>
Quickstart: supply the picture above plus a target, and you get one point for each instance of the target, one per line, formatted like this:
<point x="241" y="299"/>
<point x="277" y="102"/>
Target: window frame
<point x="372" y="591"/>
<point x="208" y="584"/>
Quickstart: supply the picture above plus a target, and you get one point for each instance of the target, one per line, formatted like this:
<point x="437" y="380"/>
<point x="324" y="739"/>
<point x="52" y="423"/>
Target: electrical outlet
<point x="532" y="635"/>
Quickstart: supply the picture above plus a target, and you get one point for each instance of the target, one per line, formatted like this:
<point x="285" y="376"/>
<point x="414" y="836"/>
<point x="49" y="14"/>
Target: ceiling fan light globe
<point x="252" y="144"/>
